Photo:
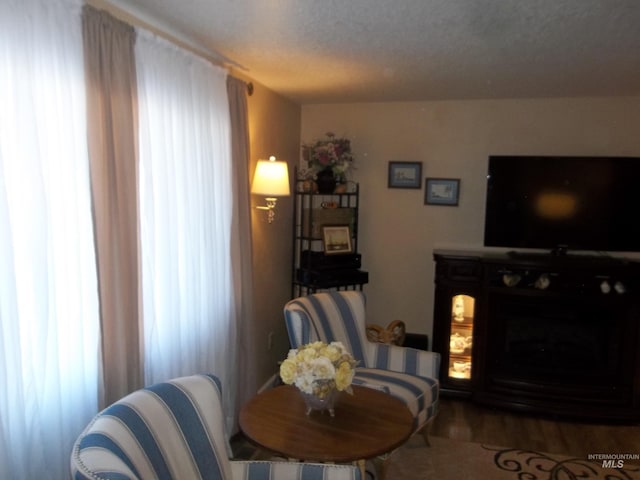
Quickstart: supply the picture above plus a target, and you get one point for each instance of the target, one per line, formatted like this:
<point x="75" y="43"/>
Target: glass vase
<point x="321" y="404"/>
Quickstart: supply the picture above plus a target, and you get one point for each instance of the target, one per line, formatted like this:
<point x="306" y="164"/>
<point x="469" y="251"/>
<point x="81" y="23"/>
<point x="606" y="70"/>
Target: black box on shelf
<point x="329" y="278"/>
<point x="319" y="261"/>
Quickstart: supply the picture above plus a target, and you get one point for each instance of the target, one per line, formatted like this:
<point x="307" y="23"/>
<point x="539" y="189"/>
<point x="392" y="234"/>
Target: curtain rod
<point x="134" y="20"/>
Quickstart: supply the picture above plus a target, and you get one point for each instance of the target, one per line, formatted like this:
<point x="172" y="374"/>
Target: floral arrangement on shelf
<point x="330" y="153"/>
<point x="319" y="368"/>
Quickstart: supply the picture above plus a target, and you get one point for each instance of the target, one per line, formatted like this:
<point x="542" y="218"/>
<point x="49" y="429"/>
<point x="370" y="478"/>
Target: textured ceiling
<point x="323" y="51"/>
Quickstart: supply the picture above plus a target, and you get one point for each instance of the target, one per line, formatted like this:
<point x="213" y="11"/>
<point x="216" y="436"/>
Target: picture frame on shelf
<point x="336" y="239"/>
<point x="442" y="191"/>
<point x="404" y="175"/>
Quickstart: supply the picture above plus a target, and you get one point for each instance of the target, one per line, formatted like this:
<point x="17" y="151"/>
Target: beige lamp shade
<point x="271" y="178"/>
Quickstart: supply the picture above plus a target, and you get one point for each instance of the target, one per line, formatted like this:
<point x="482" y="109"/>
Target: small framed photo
<point x="337" y="239"/>
<point x="442" y="191"/>
<point x="405" y="175"/>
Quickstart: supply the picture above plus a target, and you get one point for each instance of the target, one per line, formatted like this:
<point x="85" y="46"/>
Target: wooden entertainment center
<point x="537" y="332"/>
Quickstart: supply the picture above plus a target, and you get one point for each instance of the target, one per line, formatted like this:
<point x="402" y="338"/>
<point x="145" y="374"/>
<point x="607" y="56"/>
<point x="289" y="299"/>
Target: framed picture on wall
<point x="337" y="239"/>
<point x="405" y="175"/>
<point x="442" y="191"/>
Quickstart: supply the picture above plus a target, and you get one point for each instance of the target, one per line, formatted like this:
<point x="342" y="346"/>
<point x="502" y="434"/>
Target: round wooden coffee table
<point x="367" y="424"/>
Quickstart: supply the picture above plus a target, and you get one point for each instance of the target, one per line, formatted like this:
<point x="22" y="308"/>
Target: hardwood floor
<point x="465" y="421"/>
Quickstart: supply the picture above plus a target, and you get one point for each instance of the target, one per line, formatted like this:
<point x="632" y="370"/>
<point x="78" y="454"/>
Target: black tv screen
<point x="563" y="203"/>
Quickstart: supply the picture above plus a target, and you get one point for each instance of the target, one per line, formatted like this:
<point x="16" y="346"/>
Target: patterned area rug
<point x="448" y="459"/>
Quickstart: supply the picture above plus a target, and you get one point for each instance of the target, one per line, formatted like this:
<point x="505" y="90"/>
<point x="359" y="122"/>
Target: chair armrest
<point x="248" y="470"/>
<point x="406" y="360"/>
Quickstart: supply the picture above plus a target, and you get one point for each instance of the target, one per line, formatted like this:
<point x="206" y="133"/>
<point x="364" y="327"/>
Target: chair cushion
<point x="419" y="394"/>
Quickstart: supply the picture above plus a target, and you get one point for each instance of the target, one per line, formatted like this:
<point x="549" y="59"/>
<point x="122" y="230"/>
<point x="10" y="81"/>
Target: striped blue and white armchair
<point x="175" y="430"/>
<point x="406" y="373"/>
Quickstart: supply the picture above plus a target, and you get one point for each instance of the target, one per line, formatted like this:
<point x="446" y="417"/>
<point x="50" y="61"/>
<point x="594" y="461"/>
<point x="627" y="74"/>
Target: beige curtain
<point x="112" y="125"/>
<point x="242" y="255"/>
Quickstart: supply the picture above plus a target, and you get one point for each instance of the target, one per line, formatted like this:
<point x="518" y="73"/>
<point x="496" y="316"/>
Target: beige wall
<point x="274" y="129"/>
<point x="453" y="139"/>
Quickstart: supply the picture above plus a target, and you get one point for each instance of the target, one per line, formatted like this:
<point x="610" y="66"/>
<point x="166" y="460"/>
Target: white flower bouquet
<point x="319" y="368"/>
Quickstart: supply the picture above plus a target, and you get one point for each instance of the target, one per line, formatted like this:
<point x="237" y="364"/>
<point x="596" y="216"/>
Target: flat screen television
<point x="563" y="203"/>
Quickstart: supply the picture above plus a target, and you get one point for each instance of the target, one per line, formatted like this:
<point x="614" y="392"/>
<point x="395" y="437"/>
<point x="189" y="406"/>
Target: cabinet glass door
<point x="461" y="341"/>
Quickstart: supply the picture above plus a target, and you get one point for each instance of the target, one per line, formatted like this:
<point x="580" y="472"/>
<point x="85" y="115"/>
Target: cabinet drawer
<point x="460" y="271"/>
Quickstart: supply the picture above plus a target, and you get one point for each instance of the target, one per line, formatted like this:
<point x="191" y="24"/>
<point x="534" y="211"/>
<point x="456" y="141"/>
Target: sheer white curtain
<point x="185" y="215"/>
<point x="48" y="288"/>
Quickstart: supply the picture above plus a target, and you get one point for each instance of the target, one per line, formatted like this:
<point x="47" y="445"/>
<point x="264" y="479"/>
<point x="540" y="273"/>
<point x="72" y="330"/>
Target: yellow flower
<point x="288" y="371"/>
<point x="307" y="354"/>
<point x="332" y="352"/>
<point x="344" y="376"/>
<point x="316" y="345"/>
